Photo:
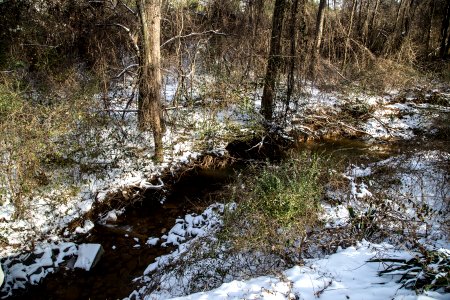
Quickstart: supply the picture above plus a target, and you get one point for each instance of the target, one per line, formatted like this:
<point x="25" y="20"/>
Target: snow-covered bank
<point x="405" y="183"/>
<point x="343" y="275"/>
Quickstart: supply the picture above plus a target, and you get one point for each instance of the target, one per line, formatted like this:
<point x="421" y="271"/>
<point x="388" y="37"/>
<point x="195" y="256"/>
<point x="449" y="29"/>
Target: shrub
<point x="34" y="139"/>
<point x="276" y="206"/>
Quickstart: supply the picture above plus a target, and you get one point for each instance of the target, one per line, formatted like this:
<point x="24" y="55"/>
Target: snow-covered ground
<point x="421" y="179"/>
<point x="346" y="274"/>
<point x="126" y="157"/>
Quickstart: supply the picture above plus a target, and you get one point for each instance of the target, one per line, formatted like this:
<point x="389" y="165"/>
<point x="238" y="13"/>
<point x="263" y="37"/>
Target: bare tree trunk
<point x="365" y="25"/>
<point x="429" y="25"/>
<point x="318" y="38"/>
<point x="347" y="39"/>
<point x="274" y="60"/>
<point x="302" y="36"/>
<point x="397" y="19"/>
<point x="371" y="22"/>
<point x="150" y="113"/>
<point x="444" y="31"/>
<point x="408" y="18"/>
<point x="292" y="52"/>
<point x="256" y="10"/>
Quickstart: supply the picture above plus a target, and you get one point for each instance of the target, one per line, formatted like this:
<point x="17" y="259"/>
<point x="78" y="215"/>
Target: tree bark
<point x="364" y="30"/>
<point x="292" y="52"/>
<point x="318" y="39"/>
<point x="429" y="27"/>
<point x="444" y="31"/>
<point x="371" y="24"/>
<point x="302" y="37"/>
<point x="347" y="39"/>
<point x="149" y="104"/>
<point x="274" y="60"/>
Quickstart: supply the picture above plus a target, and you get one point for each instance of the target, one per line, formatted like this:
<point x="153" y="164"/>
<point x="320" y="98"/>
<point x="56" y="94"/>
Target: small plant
<point x="276" y="206"/>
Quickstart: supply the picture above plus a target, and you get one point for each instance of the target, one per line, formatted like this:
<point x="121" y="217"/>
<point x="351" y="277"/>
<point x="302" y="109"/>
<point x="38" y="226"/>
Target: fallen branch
<point x="382" y="124"/>
<point x="353" y="128"/>
<point x="121" y="110"/>
<point x="259" y="145"/>
<point x="144" y="184"/>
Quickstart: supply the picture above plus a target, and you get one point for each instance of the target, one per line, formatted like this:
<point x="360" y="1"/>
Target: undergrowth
<point x="276" y="206"/>
<point x="35" y="138"/>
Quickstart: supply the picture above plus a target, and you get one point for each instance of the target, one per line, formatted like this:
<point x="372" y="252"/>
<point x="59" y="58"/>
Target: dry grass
<point x="34" y="137"/>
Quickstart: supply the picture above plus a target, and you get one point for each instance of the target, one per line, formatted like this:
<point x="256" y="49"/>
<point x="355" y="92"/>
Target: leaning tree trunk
<point x="274" y="60"/>
<point x="150" y="113"/>
<point x="318" y="38"/>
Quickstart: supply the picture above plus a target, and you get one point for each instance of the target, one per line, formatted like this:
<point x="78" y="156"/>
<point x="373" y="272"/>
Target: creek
<point x="123" y="260"/>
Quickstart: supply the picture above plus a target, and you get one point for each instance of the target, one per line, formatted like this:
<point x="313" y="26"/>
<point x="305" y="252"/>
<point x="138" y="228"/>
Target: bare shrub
<point x="34" y="138"/>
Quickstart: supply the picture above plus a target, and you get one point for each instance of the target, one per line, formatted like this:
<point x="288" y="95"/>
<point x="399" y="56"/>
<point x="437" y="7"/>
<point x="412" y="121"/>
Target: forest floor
<point x="409" y="183"/>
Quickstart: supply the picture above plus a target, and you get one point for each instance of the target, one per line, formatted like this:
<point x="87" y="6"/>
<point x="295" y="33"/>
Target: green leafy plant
<point x="276" y="206"/>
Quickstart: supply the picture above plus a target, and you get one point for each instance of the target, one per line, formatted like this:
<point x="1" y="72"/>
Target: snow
<point x="398" y="120"/>
<point x="343" y="275"/>
<point x="2" y="276"/>
<point x="152" y="241"/>
<point x="88" y="225"/>
<point x="87" y="255"/>
<point x="32" y="267"/>
<point x="347" y="274"/>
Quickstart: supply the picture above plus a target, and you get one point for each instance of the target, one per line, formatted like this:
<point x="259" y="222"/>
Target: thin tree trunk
<point x="397" y="19"/>
<point x="256" y="7"/>
<point x="150" y="113"/>
<point x="407" y="19"/>
<point x="318" y="38"/>
<point x="292" y="54"/>
<point x="274" y="60"/>
<point x="347" y="39"/>
<point x="371" y="22"/>
<point x="429" y="25"/>
<point x="302" y="36"/>
<point x="365" y="25"/>
<point x="444" y="31"/>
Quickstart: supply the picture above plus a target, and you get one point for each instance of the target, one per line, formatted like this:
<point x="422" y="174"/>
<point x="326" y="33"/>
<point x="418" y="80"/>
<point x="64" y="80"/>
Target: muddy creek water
<point x="123" y="260"/>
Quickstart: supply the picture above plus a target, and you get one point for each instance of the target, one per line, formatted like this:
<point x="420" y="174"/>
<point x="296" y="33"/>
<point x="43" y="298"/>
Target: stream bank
<point x="125" y="239"/>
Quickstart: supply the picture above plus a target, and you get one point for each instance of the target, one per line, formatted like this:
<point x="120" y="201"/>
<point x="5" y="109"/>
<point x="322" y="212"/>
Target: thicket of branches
<point x="49" y="36"/>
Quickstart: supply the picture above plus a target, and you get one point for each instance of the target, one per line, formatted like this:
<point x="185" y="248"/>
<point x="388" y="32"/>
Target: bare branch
<point x="122" y="26"/>
<point x="192" y="34"/>
<point x="121" y="110"/>
<point x="126" y="69"/>
<point x="132" y="36"/>
<point x="128" y="8"/>
<point x="40" y="45"/>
